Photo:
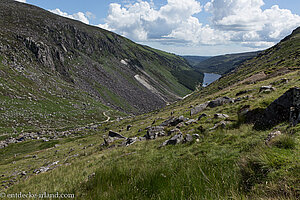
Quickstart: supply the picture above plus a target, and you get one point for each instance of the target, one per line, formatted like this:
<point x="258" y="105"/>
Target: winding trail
<point x="108" y="117"/>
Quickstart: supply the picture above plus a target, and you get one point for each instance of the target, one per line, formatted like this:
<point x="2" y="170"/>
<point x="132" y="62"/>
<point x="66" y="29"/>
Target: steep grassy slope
<point x="38" y="44"/>
<point x="280" y="59"/>
<point x="220" y="64"/>
<point x="230" y="162"/>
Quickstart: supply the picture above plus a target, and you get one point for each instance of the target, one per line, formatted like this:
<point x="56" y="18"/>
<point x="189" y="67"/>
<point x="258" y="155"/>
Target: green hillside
<point x="220" y="64"/>
<point x="57" y="72"/>
<point x="206" y="146"/>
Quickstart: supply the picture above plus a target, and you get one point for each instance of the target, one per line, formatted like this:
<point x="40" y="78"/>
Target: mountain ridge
<point x="220" y="64"/>
<point x="60" y="56"/>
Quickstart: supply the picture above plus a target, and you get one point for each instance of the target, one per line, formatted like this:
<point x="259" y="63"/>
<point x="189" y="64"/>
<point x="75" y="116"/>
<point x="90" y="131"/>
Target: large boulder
<point x="220" y="101"/>
<point x="266" y="89"/>
<point x="285" y="108"/>
<point x="154" y="132"/>
<point x="173" y="121"/>
<point x="199" y="108"/>
<point x="113" y="134"/>
<point x="176" y="139"/>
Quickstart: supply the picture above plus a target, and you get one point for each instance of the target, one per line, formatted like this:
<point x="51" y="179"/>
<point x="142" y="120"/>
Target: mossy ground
<point x="231" y="163"/>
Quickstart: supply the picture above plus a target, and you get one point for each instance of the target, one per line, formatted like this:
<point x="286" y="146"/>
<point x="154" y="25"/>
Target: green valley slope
<point x="219" y="64"/>
<point x="219" y="153"/>
<point x="57" y="72"/>
<point x="226" y="159"/>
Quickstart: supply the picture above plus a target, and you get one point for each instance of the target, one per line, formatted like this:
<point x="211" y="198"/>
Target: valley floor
<point x="233" y="161"/>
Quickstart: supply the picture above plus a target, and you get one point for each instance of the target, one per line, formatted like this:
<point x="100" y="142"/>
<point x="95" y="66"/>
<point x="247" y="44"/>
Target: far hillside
<point x="195" y="60"/>
<point x="219" y="64"/>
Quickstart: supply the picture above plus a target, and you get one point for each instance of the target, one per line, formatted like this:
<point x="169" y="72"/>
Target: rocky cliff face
<point x="41" y="45"/>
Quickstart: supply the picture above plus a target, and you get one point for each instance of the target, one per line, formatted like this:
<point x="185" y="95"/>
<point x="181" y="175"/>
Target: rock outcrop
<point x="199" y="108"/>
<point x="285" y="108"/>
<point x="220" y="101"/>
<point x="176" y="139"/>
<point x="154" y="132"/>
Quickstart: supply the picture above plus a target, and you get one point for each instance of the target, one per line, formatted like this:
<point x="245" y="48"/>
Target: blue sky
<point x="187" y="27"/>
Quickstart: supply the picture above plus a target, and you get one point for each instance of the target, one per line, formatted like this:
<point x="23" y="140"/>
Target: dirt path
<point x="108" y="117"/>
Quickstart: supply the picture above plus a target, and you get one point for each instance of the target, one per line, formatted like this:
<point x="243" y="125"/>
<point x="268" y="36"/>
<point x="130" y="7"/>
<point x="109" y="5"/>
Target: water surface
<point x="209" y="78"/>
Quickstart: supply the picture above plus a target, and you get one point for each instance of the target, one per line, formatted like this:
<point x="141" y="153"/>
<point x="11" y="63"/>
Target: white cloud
<point x="141" y="21"/>
<point x="80" y="16"/>
<point x="232" y="21"/>
<point x="248" y="23"/>
<point x="23" y="1"/>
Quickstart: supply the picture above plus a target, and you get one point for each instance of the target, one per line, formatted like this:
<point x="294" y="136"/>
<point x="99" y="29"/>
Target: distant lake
<point x="209" y="78"/>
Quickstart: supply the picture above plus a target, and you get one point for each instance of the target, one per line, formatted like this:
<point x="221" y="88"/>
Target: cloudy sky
<point x="187" y="27"/>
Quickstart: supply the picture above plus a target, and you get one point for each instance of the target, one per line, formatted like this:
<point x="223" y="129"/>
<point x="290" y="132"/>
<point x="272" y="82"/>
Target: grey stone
<point x="173" y="121"/>
<point x="171" y="132"/>
<point x="266" y="89"/>
<point x="220" y="101"/>
<point x="115" y="135"/>
<point x="221" y="116"/>
<point x="176" y="139"/>
<point x="188" y="138"/>
<point x="130" y="141"/>
<point x="221" y="125"/>
<point x="180" y="125"/>
<point x="201" y="116"/>
<point x="129" y="127"/>
<point x="199" y="108"/>
<point x="191" y="121"/>
<point x="154" y="132"/>
<point x="271" y="136"/>
<point x="285" y="108"/>
<point x="281" y="81"/>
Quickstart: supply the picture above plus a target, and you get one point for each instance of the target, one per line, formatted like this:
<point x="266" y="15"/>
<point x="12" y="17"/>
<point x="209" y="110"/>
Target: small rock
<point x="220" y="101"/>
<point x="171" y="132"/>
<point x="221" y="116"/>
<point x="23" y="173"/>
<point x="201" y="116"/>
<point x="266" y="89"/>
<point x="173" y="121"/>
<point x="115" y="135"/>
<point x="142" y="138"/>
<point x="271" y="136"/>
<point x="180" y="125"/>
<point x="129" y="127"/>
<point x="154" y="132"/>
<point x="173" y="141"/>
<point x="130" y="141"/>
<point x="221" y="125"/>
<point x="281" y="81"/>
<point x="91" y="176"/>
<point x="191" y="121"/>
<point x="188" y="138"/>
